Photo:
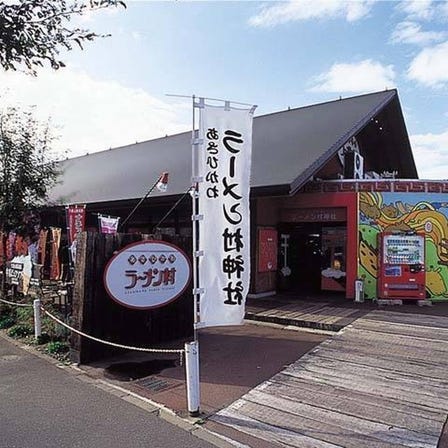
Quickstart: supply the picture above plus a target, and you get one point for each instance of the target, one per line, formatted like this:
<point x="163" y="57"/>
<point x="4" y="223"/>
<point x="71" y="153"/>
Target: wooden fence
<point x="95" y="313"/>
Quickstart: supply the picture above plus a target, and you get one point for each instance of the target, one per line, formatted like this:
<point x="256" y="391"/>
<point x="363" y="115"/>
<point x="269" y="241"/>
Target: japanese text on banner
<point x="224" y="164"/>
<point x="76" y="217"/>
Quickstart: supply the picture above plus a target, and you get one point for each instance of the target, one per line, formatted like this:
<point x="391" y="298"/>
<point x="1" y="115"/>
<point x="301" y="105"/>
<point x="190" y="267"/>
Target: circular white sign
<point x="147" y="274"/>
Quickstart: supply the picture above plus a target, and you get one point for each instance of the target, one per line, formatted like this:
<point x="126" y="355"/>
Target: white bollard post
<point x="192" y="375"/>
<point x="359" y="290"/>
<point x="37" y="320"/>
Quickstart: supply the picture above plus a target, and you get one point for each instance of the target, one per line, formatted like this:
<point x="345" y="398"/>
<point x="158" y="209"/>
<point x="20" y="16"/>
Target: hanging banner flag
<point x="11" y="245"/>
<point x="108" y="224"/>
<point x="55" y="268"/>
<point x="76" y="221"/>
<point x="21" y="246"/>
<point x="2" y="248"/>
<point x="224" y="165"/>
<point x="162" y="184"/>
<point x="42" y="246"/>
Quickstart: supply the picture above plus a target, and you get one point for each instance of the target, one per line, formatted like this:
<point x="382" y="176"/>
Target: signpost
<point x="221" y="165"/>
<point x="147" y="274"/>
<point x="14" y="271"/>
<point x="153" y="273"/>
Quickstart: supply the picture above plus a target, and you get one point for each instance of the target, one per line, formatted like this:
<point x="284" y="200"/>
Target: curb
<point x="191" y="425"/>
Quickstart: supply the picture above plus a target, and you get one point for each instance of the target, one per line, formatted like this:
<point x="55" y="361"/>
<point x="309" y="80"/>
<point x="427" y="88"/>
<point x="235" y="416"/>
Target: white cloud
<point x="430" y="66"/>
<point x="417" y="9"/>
<point x="296" y="10"/>
<point x="364" y="76"/>
<point x="411" y="33"/>
<point x="431" y="155"/>
<point x="424" y="9"/>
<point x="443" y="9"/>
<point x="93" y="115"/>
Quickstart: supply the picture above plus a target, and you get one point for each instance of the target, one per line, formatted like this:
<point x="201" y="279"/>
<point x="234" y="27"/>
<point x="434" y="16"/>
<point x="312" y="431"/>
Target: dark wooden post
<point x="78" y="296"/>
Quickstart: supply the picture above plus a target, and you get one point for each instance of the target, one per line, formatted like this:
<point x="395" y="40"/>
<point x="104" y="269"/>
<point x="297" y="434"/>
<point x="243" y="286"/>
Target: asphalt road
<point x="42" y="406"/>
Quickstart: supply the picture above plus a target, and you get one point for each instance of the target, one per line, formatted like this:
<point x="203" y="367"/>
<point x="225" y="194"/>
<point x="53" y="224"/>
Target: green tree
<point x="28" y="167"/>
<point x="33" y="32"/>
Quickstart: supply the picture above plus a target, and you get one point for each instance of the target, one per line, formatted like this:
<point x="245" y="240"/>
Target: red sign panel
<point x="76" y="217"/>
<point x="321" y="214"/>
<point x="267" y="250"/>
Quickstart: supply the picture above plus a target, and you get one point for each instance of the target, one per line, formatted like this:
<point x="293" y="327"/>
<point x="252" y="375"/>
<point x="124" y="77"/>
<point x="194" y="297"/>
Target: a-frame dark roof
<point x="289" y="147"/>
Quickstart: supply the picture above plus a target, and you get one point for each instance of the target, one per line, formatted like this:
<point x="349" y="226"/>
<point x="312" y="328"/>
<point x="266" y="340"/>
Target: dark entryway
<point x="304" y="256"/>
<point x="315" y="249"/>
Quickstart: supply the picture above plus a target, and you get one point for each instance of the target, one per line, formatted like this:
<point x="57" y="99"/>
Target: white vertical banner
<point x="224" y="164"/>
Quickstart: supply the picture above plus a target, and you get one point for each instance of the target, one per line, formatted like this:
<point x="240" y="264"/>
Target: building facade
<point x="331" y="230"/>
<point x="326" y="181"/>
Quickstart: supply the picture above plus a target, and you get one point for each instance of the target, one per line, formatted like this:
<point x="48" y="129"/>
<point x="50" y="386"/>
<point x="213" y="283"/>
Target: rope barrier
<point x="16" y="304"/>
<point x="88" y="336"/>
<point x="113" y="344"/>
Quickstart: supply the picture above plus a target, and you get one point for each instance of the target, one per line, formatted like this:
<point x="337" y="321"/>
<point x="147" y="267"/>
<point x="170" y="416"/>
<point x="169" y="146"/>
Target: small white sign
<point x="147" y="274"/>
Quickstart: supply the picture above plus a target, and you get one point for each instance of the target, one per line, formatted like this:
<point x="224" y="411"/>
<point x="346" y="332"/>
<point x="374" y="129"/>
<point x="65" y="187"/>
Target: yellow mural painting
<point x="423" y="213"/>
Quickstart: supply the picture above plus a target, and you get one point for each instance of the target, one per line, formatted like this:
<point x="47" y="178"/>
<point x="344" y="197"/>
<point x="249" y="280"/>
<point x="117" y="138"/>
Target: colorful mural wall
<point x="421" y="212"/>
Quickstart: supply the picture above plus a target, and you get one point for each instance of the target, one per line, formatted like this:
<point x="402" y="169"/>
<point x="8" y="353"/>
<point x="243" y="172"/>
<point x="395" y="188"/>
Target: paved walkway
<point x="233" y="360"/>
<point x="381" y="382"/>
<point x="43" y="406"/>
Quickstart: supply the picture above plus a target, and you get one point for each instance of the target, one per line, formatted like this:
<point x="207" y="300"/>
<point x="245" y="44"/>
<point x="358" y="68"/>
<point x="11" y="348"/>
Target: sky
<point x="276" y="54"/>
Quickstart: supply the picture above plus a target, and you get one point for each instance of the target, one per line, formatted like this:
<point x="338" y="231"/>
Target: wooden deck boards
<point x="381" y="382"/>
<point x="315" y="315"/>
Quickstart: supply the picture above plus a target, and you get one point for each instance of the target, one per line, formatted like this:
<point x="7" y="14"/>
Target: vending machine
<point x="401" y="265"/>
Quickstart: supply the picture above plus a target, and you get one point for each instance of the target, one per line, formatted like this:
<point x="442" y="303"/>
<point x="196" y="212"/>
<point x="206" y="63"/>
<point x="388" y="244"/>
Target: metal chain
<point x="113" y="344"/>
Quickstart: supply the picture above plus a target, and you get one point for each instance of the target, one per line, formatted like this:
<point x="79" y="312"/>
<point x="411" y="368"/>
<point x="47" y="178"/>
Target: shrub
<point x="55" y="331"/>
<point x="6" y="322"/>
<point x="20" y="331"/>
<point x="57" y="347"/>
<point x="7" y="311"/>
<point x="25" y="315"/>
<point x="43" y="339"/>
